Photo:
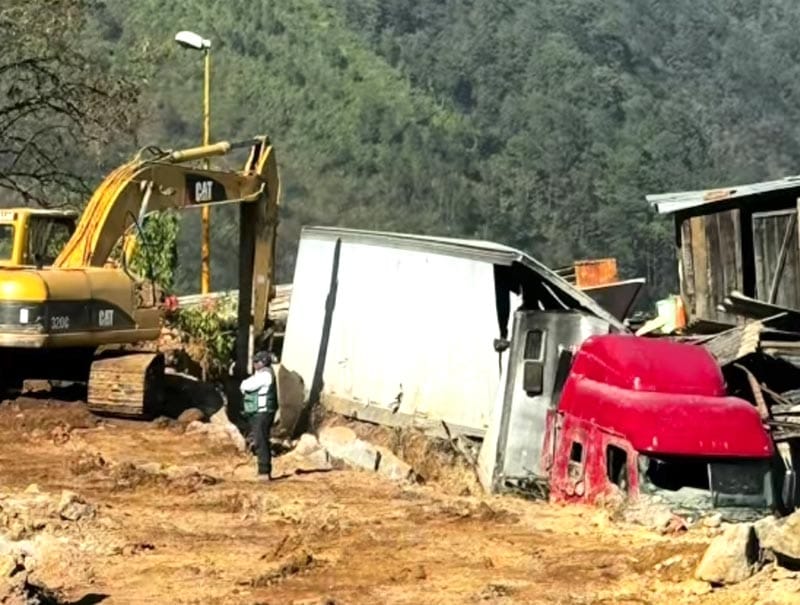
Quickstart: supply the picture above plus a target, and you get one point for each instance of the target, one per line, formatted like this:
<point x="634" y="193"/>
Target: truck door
<point x="537" y="339"/>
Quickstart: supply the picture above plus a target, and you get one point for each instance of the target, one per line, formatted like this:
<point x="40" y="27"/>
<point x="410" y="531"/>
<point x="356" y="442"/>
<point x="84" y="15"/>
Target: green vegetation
<point x="537" y="123"/>
<point x="209" y="330"/>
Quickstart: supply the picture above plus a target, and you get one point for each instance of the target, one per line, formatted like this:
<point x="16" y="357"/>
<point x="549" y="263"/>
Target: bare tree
<point x="58" y="103"/>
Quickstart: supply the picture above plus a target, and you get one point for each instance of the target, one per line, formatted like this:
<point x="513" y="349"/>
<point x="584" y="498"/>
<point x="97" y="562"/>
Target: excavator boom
<point x="165" y="181"/>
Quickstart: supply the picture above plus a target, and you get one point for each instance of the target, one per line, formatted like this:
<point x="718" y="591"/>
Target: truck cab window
<point x="533" y="363"/>
<point x="534" y="345"/>
<point x="562" y="373"/>
<point x="617" y="466"/>
<point x="575" y="466"/>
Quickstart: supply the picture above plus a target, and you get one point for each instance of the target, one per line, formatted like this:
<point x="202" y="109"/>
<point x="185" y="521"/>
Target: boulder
<point x="72" y="507"/>
<point x="712" y="521"/>
<point x="307" y="444"/>
<point x="341" y="443"/>
<point x="731" y="557"/>
<point x="767" y="530"/>
<point x="231" y="432"/>
<point x="648" y="512"/>
<point x="191" y="415"/>
<point x="151" y="468"/>
<point x="335" y="437"/>
<point x="8" y="565"/>
<point x="223" y="433"/>
<point x="392" y="467"/>
<point x="782" y="538"/>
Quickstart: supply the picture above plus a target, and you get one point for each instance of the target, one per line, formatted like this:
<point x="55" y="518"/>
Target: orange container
<point x="596" y="272"/>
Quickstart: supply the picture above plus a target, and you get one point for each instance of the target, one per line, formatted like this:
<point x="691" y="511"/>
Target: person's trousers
<point x="260" y="425"/>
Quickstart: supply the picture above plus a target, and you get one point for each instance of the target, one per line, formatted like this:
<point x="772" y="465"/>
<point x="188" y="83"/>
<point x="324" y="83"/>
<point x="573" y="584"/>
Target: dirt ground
<point x="179" y="519"/>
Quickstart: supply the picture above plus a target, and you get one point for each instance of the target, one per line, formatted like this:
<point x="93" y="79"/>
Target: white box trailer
<point x="407" y="330"/>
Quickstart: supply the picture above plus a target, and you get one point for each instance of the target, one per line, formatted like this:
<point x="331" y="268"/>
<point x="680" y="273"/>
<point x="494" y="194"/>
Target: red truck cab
<point x="647" y="416"/>
<point x="586" y="415"/>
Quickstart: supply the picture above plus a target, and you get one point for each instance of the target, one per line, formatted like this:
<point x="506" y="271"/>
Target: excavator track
<point x="129" y="385"/>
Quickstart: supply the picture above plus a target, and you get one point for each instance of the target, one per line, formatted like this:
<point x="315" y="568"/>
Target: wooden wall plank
<point x="687" y="268"/>
<point x="701" y="272"/>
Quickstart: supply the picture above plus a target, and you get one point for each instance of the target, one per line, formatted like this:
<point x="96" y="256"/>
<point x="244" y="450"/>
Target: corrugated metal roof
<point x="480" y="250"/>
<point x="668" y="203"/>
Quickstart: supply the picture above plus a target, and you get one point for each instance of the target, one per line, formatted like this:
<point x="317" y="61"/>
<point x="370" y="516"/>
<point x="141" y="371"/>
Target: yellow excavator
<point x="89" y="318"/>
<point x="33" y="236"/>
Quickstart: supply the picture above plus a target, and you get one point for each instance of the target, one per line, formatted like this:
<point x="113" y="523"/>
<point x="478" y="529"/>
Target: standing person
<point x="260" y="404"/>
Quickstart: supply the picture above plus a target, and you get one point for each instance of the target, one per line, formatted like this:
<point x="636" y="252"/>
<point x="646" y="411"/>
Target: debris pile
<point x="742" y="549"/>
<point x="35" y="544"/>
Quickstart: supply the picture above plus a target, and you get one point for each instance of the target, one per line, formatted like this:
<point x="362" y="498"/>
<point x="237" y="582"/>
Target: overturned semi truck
<point x="479" y="339"/>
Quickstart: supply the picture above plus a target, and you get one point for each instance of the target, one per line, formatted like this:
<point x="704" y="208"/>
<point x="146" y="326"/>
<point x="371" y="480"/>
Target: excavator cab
<point x="33" y="237"/>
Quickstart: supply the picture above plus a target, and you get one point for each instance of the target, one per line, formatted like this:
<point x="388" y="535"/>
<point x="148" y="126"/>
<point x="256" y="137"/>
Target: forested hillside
<point x="537" y="123"/>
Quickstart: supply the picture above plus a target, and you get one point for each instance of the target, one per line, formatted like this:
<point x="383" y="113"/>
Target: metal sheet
<point x="617" y="297"/>
<point x="669" y="203"/>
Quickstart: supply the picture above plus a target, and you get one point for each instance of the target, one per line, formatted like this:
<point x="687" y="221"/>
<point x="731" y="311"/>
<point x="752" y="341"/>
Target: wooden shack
<point x="742" y="239"/>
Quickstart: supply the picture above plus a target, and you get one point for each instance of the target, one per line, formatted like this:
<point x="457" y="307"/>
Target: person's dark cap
<point x="262" y="357"/>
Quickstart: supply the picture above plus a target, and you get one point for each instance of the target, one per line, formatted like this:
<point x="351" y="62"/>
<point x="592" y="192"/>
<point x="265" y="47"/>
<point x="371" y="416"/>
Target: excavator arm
<point x="167" y="180"/>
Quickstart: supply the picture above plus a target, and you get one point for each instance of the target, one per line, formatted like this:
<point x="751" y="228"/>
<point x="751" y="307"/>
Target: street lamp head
<point x="192" y="40"/>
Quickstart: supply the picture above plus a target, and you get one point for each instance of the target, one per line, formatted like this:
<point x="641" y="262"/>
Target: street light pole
<point x="194" y="41"/>
<point x="205" y="216"/>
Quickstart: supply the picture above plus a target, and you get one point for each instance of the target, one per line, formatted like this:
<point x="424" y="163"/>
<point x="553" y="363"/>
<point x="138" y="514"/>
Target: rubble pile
<point x="742" y="549"/>
<point x="29" y="547"/>
<point x="21" y="517"/>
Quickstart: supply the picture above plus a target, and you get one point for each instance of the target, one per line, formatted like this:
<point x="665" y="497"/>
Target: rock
<point x="341" y="443"/>
<point x="392" y="467"/>
<point x="712" y="521"/>
<point x="318" y="460"/>
<point x="336" y="436"/>
<point x="180" y="472"/>
<point x="220" y="417"/>
<point x="646" y="511"/>
<point x="196" y="427"/>
<point x="33" y="488"/>
<point x="696" y="587"/>
<point x="780" y="573"/>
<point x="219" y="429"/>
<point x="191" y="415"/>
<point x="72" y="507"/>
<point x="8" y="565"/>
<point x="307" y="444"/>
<point x="671" y="561"/>
<point x="162" y="422"/>
<point x="17" y="530"/>
<point x="783" y="537"/>
<point x="731" y="557"/>
<point x="153" y="468"/>
<point x="767" y="530"/>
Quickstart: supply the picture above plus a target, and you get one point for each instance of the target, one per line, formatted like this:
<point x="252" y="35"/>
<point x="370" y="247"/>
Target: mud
<point x="175" y="520"/>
